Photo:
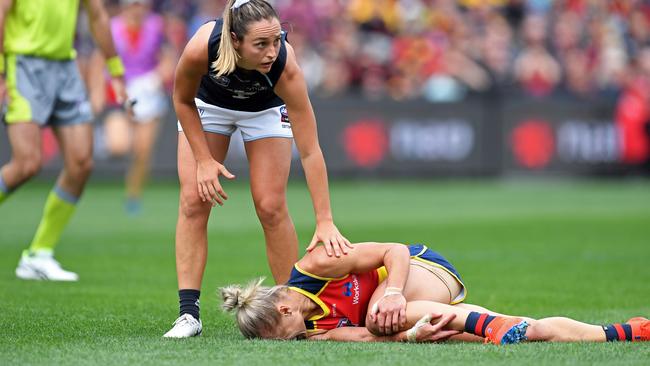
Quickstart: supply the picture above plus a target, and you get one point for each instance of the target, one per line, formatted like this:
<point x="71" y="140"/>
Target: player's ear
<point x="284" y="310"/>
<point x="235" y="40"/>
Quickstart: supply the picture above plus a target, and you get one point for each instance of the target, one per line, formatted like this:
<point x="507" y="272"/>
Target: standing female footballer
<point x="239" y="72"/>
<point x="393" y="292"/>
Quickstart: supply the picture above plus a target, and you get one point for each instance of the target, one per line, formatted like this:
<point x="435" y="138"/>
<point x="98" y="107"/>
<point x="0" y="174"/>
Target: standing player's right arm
<point x="5" y="6"/>
<point x="191" y="67"/>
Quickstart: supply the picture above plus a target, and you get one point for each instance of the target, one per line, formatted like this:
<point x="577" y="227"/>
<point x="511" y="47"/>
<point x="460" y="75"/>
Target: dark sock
<point x="476" y="323"/>
<point x="618" y="332"/>
<point x="189" y="302"/>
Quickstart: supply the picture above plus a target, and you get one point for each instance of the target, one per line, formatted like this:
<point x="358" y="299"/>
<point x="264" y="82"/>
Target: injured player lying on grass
<point x="393" y="292"/>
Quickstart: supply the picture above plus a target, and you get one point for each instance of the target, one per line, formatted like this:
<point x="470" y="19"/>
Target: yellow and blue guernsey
<point x="344" y="301"/>
<point x="41" y="28"/>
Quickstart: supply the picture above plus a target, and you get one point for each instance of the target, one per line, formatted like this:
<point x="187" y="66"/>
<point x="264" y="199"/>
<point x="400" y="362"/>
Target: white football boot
<point x="41" y="265"/>
<point x="184" y="327"/>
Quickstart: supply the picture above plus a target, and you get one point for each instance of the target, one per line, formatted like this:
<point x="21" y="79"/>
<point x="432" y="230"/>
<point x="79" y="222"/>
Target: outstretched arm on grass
<point x="429" y="332"/>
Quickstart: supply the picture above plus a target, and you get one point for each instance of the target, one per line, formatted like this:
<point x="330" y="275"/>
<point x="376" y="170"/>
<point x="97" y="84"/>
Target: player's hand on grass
<point x="389" y="313"/>
<point x="333" y="241"/>
<point x="433" y="331"/>
<point x="207" y="179"/>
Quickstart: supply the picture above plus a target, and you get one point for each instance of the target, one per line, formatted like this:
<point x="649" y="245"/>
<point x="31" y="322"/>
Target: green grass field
<point x="579" y="249"/>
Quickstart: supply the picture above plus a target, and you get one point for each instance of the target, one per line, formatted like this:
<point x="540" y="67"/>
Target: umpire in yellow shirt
<point x="41" y="85"/>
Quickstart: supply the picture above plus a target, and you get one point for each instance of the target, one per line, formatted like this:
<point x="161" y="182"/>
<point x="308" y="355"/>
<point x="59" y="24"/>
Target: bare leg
<point x="191" y="228"/>
<point x="548" y="329"/>
<point x="144" y="138"/>
<point x="26" y="159"/>
<point x="118" y="133"/>
<point x="76" y="143"/>
<point x="555" y="329"/>
<point x="270" y="161"/>
<point x="559" y="329"/>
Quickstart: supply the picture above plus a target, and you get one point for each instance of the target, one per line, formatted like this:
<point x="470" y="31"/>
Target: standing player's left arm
<point x="101" y="30"/>
<point x="291" y="87"/>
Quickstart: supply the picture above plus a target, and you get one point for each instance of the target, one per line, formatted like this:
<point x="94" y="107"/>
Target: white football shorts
<point x="149" y="93"/>
<point x="272" y="122"/>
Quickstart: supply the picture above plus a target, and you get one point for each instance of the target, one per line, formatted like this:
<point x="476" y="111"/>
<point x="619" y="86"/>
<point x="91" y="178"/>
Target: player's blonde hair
<point x="236" y="20"/>
<point x="254" y="307"/>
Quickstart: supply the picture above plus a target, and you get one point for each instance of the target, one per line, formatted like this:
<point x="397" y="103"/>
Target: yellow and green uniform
<point x="43" y="81"/>
<point x="41" y="28"/>
<point x="44" y="86"/>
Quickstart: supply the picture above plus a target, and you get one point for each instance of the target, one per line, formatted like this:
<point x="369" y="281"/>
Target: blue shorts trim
<point x="422" y="253"/>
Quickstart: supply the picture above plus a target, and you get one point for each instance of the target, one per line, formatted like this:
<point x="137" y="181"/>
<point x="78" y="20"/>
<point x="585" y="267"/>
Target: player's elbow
<point x="400" y="249"/>
<point x="181" y="100"/>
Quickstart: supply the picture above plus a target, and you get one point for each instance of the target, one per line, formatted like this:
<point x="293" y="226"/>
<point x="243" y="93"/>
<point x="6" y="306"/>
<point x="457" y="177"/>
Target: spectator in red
<point x="536" y="70"/>
<point x="633" y="112"/>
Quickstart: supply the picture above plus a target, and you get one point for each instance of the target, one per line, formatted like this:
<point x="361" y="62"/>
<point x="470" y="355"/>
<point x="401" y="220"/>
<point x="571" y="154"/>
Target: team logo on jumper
<point x="247" y="91"/>
<point x="347" y="289"/>
<point x="352" y="289"/>
<point x="220" y="80"/>
<point x="345" y="322"/>
<point x="239" y="88"/>
<point x="284" y="115"/>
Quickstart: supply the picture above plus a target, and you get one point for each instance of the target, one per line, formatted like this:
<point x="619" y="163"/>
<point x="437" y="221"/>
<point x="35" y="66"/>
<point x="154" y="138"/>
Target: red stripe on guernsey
<point x="620" y="332"/>
<point x="478" y="330"/>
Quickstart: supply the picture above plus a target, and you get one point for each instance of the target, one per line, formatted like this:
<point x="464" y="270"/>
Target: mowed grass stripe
<point x="540" y="249"/>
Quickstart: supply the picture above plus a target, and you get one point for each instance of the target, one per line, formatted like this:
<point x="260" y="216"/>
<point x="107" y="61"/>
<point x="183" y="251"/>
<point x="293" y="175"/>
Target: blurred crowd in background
<point x="445" y="50"/>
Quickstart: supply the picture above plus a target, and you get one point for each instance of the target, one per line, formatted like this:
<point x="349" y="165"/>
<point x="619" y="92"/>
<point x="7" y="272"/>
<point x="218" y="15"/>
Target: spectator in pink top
<point x="139" y="39"/>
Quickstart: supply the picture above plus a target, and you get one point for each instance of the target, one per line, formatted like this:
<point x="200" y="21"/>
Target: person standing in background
<point x="140" y="41"/>
<point x="44" y="88"/>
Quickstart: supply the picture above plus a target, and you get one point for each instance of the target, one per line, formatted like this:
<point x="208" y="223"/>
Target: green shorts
<point x="47" y="92"/>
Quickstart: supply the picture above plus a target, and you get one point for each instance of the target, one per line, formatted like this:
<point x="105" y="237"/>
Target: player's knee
<point x="87" y="165"/>
<point x="81" y="167"/>
<point x="538" y="330"/>
<point x="191" y="205"/>
<point x="271" y="211"/>
<point x="118" y="149"/>
<point x="141" y="156"/>
<point x="29" y="166"/>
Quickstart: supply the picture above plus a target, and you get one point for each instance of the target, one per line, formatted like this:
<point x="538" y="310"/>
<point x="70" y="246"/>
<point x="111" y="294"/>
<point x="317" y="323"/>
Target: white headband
<point x="238" y="3"/>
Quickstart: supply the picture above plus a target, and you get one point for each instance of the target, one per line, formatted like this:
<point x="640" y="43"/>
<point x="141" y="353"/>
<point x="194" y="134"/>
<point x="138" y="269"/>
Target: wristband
<point x="115" y="66"/>
<point x="411" y="334"/>
<point x="392" y="291"/>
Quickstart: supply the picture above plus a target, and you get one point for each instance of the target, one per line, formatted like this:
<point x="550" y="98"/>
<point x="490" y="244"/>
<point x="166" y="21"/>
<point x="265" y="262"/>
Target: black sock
<point x="189" y="302"/>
